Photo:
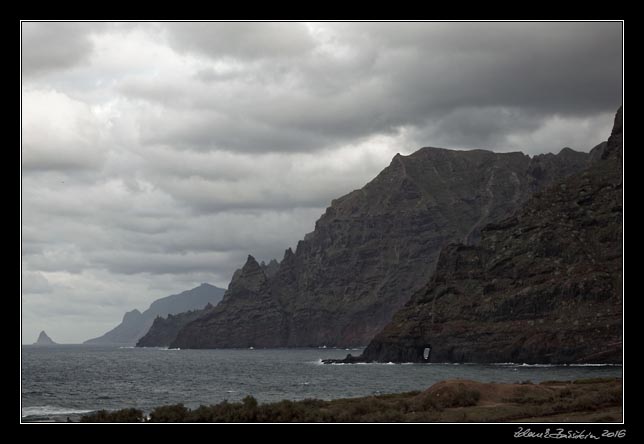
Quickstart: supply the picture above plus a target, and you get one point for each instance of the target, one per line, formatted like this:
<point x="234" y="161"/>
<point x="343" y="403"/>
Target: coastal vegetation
<point x="591" y="400"/>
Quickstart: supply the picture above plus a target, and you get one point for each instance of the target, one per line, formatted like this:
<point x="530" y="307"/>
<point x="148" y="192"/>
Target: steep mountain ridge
<point x="373" y="248"/>
<point x="164" y="330"/>
<point x="542" y="286"/>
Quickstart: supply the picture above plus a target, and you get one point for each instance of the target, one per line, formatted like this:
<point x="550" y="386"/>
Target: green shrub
<point x="466" y="398"/>
<point x="460" y="397"/>
<point x="124" y="415"/>
<point x="169" y="413"/>
<point x="200" y="414"/>
<point x="249" y="402"/>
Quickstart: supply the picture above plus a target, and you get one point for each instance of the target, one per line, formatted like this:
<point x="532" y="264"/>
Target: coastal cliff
<point x="373" y="248"/>
<point x="542" y="286"/>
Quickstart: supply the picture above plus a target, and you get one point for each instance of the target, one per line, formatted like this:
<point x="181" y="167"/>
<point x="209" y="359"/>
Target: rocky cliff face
<point x="373" y="248"/>
<point x="164" y="330"/>
<point x="43" y="339"/>
<point x="542" y="286"/>
<point x="248" y="316"/>
<point x="136" y="324"/>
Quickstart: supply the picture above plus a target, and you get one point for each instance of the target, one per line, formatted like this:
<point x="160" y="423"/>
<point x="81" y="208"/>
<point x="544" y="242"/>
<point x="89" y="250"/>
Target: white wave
<point x="46" y="410"/>
<point x="130" y="346"/>
<point x="595" y="365"/>
<point x="515" y="364"/>
<point x="539" y="365"/>
<point x="369" y="363"/>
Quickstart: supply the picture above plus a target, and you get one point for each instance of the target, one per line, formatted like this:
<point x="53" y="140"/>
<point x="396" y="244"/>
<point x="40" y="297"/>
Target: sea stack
<point x="43" y="339"/>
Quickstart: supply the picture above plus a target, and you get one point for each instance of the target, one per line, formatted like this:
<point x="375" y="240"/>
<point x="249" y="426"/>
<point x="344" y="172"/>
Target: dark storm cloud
<point x="570" y="68"/>
<point x="481" y="127"/>
<point x="48" y="46"/>
<point x="363" y="79"/>
<point x="514" y="129"/>
<point x="528" y="71"/>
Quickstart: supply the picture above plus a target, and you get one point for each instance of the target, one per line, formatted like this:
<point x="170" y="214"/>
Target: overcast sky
<point x="156" y="156"/>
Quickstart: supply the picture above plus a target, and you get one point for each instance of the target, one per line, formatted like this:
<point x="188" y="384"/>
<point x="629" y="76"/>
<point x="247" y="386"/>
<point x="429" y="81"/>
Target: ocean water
<point x="69" y="380"/>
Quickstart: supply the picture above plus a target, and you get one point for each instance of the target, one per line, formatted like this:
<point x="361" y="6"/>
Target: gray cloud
<point x="241" y="40"/>
<point x="514" y="129"/>
<point x="156" y="156"/>
<point x="34" y="282"/>
<point x="50" y="46"/>
<point x="59" y="133"/>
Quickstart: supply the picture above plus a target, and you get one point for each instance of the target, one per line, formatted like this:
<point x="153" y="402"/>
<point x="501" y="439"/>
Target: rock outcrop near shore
<point x="542" y="286"/>
<point x="43" y="339"/>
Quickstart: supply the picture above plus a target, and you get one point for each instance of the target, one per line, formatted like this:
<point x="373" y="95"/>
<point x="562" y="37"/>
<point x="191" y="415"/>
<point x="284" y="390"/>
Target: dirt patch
<point x="491" y="393"/>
